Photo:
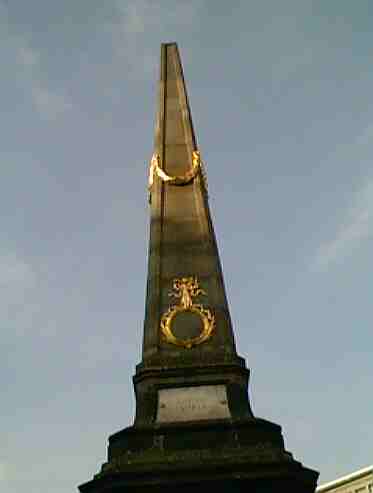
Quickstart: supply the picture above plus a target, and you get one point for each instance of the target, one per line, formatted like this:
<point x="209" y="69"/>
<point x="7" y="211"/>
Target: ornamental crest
<point x="185" y="289"/>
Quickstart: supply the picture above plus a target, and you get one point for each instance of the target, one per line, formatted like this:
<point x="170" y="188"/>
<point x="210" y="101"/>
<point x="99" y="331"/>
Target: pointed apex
<point x="170" y="43"/>
<point x="174" y="137"/>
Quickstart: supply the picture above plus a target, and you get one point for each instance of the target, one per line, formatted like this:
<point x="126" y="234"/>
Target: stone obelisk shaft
<point x="182" y="240"/>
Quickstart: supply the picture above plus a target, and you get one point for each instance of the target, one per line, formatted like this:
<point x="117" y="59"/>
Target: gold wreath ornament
<point x="156" y="170"/>
<point x="186" y="288"/>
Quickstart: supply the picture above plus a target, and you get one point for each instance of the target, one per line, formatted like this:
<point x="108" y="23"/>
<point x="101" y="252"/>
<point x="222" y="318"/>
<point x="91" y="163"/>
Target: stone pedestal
<point x="222" y="455"/>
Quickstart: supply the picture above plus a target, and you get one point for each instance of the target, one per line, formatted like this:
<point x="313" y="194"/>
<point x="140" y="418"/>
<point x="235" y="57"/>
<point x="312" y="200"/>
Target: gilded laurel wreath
<point x="186" y="288"/>
<point x="156" y="170"/>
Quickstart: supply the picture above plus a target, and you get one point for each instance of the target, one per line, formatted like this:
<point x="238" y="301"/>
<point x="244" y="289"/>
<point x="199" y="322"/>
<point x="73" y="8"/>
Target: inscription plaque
<point x="192" y="403"/>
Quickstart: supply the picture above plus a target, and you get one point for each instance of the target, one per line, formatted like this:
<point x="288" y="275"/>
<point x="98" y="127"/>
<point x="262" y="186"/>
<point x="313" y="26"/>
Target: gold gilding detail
<point x="186" y="288"/>
<point x="155" y="169"/>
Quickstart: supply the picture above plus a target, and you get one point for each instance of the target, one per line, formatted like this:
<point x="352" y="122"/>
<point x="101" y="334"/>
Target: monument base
<point x="225" y="455"/>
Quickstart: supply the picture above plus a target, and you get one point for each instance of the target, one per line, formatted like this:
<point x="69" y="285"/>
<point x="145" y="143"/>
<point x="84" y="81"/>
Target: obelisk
<point x="194" y="427"/>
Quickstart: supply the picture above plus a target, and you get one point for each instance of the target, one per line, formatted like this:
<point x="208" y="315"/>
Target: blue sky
<point x="281" y="97"/>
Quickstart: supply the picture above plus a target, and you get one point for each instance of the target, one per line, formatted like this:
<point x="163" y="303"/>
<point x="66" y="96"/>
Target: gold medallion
<point x="186" y="288"/>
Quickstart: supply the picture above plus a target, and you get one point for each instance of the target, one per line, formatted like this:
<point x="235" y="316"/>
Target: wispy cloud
<point x="3" y="472"/>
<point x="357" y="227"/>
<point x="49" y="102"/>
<point x="18" y="282"/>
<point x="26" y="56"/>
<point x="142" y="24"/>
<point x="139" y="15"/>
<point x="14" y="270"/>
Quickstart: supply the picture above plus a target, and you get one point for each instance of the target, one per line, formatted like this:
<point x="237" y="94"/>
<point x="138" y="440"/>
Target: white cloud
<point x="357" y="227"/>
<point x="140" y="15"/>
<point x="48" y="101"/>
<point x="141" y="25"/>
<point x="49" y="104"/>
<point x="26" y="56"/>
<point x="3" y="472"/>
<point x="18" y="283"/>
<point x="14" y="270"/>
<point x="366" y="136"/>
